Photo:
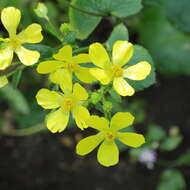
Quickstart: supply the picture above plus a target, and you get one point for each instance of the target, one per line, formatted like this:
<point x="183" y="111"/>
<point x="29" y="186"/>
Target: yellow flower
<point x="70" y="101"/>
<point x="115" y="70"/>
<point x="65" y="60"/>
<point x="10" y="18"/>
<point x="3" y="81"/>
<point x="108" y="153"/>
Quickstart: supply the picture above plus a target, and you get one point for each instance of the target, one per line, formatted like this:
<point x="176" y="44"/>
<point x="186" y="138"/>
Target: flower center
<point x="68" y="104"/>
<point x="110" y="136"/>
<point x="71" y="66"/>
<point x="117" y="71"/>
<point x="14" y="42"/>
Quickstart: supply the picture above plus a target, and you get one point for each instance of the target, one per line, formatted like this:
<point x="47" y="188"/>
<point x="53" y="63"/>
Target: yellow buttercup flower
<point x="108" y="153"/>
<point x="10" y="18"/>
<point x="70" y="101"/>
<point x="65" y="60"/>
<point x="115" y="70"/>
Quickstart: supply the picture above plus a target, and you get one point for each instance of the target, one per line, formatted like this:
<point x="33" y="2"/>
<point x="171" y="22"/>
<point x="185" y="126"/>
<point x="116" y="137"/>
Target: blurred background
<point x="33" y="158"/>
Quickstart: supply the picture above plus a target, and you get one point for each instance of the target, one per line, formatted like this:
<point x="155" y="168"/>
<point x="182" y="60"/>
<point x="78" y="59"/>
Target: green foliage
<point x="178" y="12"/>
<point x="155" y="133"/>
<point x="119" y="32"/>
<point x="15" y="99"/>
<point x="184" y="159"/>
<point x="141" y="54"/>
<point x="172" y="179"/>
<point x="169" y="47"/>
<point x="171" y="143"/>
<point x="98" y="8"/>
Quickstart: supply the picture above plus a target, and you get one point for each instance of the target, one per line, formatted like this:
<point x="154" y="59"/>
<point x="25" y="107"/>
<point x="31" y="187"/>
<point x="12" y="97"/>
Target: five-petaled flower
<point x="113" y="70"/>
<point x="65" y="61"/>
<point x="10" y="18"/>
<point x="108" y="153"/>
<point x="70" y="101"/>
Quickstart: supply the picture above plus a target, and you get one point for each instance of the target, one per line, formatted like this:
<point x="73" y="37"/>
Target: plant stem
<point x="9" y="69"/>
<point x="25" y="132"/>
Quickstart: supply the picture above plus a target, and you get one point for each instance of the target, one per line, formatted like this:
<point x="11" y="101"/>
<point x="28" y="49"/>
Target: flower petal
<point x="64" y="54"/>
<point x="27" y="57"/>
<point x="138" y="71"/>
<point x="131" y="139"/>
<point x="57" y="121"/>
<point x="45" y="67"/>
<point x="10" y="18"/>
<point x="3" y="81"/>
<point x="48" y="99"/>
<point x="84" y="75"/>
<point x="88" y="144"/>
<point x="79" y="92"/>
<point x="98" y="123"/>
<point x="63" y="78"/>
<point x="100" y="75"/>
<point x="6" y="56"/>
<point x="122" y="87"/>
<point x="122" y="52"/>
<point x="32" y="34"/>
<point x="108" y="154"/>
<point x="99" y="55"/>
<point x="81" y="58"/>
<point x="121" y="120"/>
<point x="81" y="115"/>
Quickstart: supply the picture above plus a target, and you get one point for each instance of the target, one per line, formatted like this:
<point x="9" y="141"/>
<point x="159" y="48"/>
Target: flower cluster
<point x="66" y="70"/>
<point x="10" y="18"/>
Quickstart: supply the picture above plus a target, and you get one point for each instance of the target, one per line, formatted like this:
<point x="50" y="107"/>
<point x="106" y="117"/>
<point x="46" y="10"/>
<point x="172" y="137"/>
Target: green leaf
<point x="45" y="51"/>
<point x="169" y="47"/>
<point x="15" y="99"/>
<point x="155" y="133"/>
<point x="114" y="95"/>
<point x="178" y="12"/>
<point x="84" y="23"/>
<point x="16" y="78"/>
<point x="119" y="32"/>
<point x="172" y="179"/>
<point x="141" y="54"/>
<point x="171" y="143"/>
<point x="184" y="159"/>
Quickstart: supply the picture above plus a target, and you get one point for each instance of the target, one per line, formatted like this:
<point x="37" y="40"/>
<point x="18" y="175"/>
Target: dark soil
<point x="44" y="162"/>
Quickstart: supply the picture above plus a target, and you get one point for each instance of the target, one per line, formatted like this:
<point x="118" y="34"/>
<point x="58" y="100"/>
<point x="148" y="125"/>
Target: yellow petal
<point x="98" y="123"/>
<point x="122" y="52"/>
<point x="3" y="81"/>
<point x="63" y="78"/>
<point x="64" y="54"/>
<point x="100" y="75"/>
<point x="81" y="58"/>
<point x="79" y="92"/>
<point x="108" y="154"/>
<point x="122" y="87"/>
<point x="10" y="18"/>
<point x="121" y="120"/>
<point x="57" y="121"/>
<point x="6" y="56"/>
<point x="48" y="99"/>
<point x="88" y="144"/>
<point x="45" y="67"/>
<point x="81" y="115"/>
<point x="27" y="57"/>
<point x="32" y="34"/>
<point x="131" y="139"/>
<point x="84" y="75"/>
<point x="99" y="55"/>
<point x="138" y="72"/>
